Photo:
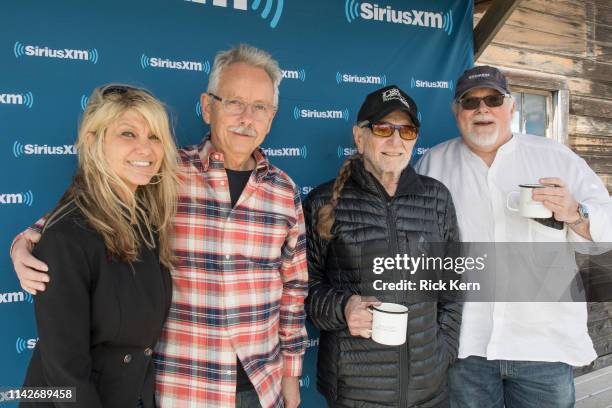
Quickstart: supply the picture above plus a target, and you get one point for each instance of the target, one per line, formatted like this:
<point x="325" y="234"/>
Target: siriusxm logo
<point x="26" y="99"/>
<point x="344" y="151"/>
<point x="266" y="7"/>
<point x="15" y="297"/>
<point x="20" y="50"/>
<point x="312" y="343"/>
<point x="156" y="62"/>
<point x="298" y="74"/>
<point x="84" y="102"/>
<point x="304" y="190"/>
<point x="26" y="198"/>
<point x="419" y="83"/>
<point x="299" y="113"/>
<point x="421" y="150"/>
<point x="305" y="382"/>
<point x="354" y="9"/>
<point x="361" y="79"/>
<point x="35" y="149"/>
<point x="286" y="152"/>
<point x="22" y="345"/>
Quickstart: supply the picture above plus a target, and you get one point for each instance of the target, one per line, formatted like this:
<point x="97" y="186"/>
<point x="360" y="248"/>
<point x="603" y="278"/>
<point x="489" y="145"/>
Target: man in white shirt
<point x="516" y="354"/>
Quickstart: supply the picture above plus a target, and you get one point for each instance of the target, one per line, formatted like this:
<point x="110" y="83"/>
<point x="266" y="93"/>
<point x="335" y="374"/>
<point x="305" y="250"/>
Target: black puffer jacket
<point x="358" y="372"/>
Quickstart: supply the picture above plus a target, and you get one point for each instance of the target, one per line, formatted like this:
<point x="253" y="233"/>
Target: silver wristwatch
<point x="583" y="215"/>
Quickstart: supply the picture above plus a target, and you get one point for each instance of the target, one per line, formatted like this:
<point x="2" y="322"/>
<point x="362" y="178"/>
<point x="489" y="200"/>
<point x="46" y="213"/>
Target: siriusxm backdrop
<point x="332" y="52"/>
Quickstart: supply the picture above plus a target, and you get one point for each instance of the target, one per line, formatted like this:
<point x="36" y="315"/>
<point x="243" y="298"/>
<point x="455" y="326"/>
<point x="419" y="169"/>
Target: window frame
<point x="546" y="84"/>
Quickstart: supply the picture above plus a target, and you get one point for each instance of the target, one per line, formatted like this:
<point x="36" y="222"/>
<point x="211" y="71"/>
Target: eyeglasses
<point x="384" y="129"/>
<point x="259" y="110"/>
<point x="492" y="101"/>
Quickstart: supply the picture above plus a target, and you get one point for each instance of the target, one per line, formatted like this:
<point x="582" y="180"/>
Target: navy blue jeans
<point x="478" y="382"/>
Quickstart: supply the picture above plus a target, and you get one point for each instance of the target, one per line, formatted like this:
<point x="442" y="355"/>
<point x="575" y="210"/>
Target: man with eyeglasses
<point x="379" y="207"/>
<point x="516" y="354"/>
<point x="235" y="335"/>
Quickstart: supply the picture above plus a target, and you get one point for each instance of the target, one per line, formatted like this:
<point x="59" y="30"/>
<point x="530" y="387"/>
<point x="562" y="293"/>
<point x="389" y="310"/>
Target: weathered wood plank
<point x="498" y="54"/>
<point x="602" y="361"/>
<point x="559" y="8"/>
<point x="546" y="62"/>
<point x="604" y="141"/>
<point x="607" y="180"/>
<point x="600" y="329"/>
<point x="597" y="11"/>
<point x="601" y="167"/>
<point x="601" y="399"/>
<point x="600" y="42"/>
<point x="586" y="87"/>
<point x="599" y="311"/>
<point x="589" y="125"/>
<point x="590" y="107"/>
<point x="588" y="386"/>
<point x="603" y="345"/>
<point x="598" y="70"/>
<point x="595" y="46"/>
<point x="534" y="39"/>
<point x="545" y="22"/>
<point x="603" y="13"/>
<point x="496" y="15"/>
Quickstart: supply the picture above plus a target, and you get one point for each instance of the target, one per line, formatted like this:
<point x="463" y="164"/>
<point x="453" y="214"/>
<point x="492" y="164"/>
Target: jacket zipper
<point x="403" y="360"/>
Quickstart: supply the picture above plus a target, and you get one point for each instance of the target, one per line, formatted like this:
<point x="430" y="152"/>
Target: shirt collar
<point x="191" y="156"/>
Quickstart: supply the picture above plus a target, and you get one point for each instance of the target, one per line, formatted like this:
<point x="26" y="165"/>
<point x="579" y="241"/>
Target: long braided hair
<point x="326" y="216"/>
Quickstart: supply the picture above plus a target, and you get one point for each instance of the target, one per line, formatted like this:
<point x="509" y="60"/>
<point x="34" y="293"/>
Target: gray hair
<point x="248" y="55"/>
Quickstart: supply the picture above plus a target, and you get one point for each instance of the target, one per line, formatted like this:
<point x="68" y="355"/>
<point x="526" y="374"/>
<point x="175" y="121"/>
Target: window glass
<point x="516" y="117"/>
<point x="534" y="112"/>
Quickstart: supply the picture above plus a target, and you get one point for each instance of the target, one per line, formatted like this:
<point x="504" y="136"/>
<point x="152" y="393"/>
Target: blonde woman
<point x="107" y="248"/>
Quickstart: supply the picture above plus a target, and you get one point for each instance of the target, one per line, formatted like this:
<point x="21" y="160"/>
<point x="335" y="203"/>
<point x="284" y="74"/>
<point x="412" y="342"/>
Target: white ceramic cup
<point x="389" y="324"/>
<point x="527" y="207"/>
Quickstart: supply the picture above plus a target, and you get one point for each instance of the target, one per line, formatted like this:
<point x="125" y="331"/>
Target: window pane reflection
<point x="516" y="117"/>
<point x="534" y="112"/>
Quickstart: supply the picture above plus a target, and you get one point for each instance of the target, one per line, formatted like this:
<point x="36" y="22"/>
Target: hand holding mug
<point x="557" y="198"/>
<point x="528" y="206"/>
<point x="358" y="316"/>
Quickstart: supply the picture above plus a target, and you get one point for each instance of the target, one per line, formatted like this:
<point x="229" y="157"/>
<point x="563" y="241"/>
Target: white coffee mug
<point x="527" y="207"/>
<point x="389" y="324"/>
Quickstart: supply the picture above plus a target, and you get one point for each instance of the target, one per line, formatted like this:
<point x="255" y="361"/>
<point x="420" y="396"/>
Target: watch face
<point x="582" y="210"/>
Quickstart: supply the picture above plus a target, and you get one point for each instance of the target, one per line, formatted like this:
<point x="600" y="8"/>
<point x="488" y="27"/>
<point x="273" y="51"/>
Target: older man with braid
<point x="378" y="205"/>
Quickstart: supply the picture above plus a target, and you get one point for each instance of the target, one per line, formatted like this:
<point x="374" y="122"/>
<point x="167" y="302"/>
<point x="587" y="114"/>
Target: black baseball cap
<point x="483" y="76"/>
<point x="383" y="101"/>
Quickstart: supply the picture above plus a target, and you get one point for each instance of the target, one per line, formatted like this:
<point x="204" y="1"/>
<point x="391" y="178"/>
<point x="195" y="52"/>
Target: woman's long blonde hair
<point x="121" y="217"/>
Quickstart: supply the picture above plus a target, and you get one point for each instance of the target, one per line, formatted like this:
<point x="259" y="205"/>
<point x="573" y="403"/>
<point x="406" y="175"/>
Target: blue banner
<point x="332" y="54"/>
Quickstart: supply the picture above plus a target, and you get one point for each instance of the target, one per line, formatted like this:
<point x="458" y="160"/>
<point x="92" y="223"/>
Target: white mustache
<point x="243" y="130"/>
<point x="484" y="118"/>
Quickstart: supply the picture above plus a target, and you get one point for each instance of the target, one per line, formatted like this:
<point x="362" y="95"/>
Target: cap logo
<point x="473" y="76"/>
<point x="394" y="94"/>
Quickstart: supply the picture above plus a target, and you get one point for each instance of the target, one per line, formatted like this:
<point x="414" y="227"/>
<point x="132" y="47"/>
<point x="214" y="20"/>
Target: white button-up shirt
<point x="519" y="331"/>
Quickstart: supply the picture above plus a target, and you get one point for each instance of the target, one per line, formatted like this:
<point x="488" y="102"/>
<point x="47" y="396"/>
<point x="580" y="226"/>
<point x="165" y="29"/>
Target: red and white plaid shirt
<point x="239" y="285"/>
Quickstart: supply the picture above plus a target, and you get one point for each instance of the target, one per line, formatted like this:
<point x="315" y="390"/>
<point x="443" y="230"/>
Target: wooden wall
<point x="569" y="41"/>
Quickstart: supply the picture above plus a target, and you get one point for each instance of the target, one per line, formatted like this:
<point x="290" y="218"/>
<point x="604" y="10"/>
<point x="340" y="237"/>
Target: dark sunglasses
<point x="384" y="129"/>
<point x="121" y="89"/>
<point x="492" y="101"/>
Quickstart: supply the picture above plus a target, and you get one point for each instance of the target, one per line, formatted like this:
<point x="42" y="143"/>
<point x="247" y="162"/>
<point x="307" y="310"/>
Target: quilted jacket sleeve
<point x="325" y="303"/>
